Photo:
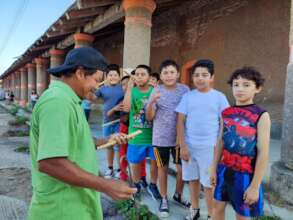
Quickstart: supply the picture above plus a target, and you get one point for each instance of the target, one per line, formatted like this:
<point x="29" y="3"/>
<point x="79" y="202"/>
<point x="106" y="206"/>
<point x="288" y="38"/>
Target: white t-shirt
<point x="34" y="97"/>
<point x="203" y="113"/>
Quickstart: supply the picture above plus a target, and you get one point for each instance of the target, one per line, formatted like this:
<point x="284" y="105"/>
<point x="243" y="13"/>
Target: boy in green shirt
<point x="140" y="147"/>
<point x="65" y="177"/>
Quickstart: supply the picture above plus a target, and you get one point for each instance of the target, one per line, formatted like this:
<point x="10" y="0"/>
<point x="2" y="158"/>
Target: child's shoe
<point x="108" y="173"/>
<point x="181" y="201"/>
<point x="154" y="192"/>
<point x="164" y="208"/>
<point x="193" y="214"/>
<point x="143" y="182"/>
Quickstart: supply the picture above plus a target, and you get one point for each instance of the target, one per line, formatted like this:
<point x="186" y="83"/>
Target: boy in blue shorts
<point x="111" y="94"/>
<point x="198" y="126"/>
<point x="242" y="153"/>
<point x="140" y="147"/>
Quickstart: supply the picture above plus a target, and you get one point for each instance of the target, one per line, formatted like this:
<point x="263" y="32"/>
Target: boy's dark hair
<point x="146" y="67"/>
<point x="156" y="75"/>
<point x="247" y="72"/>
<point x="206" y="63"/>
<point x="113" y="67"/>
<point x="169" y="62"/>
<point x="132" y="72"/>
<point x="125" y="77"/>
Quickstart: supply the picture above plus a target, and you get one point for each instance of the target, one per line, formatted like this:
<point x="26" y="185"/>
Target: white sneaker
<point x="193" y="214"/>
<point x="108" y="173"/>
<point x="116" y="174"/>
<point x="164" y="208"/>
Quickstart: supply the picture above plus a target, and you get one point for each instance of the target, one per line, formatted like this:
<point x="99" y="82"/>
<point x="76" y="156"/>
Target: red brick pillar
<point x="137" y="32"/>
<point x="56" y="59"/>
<point x="23" y="86"/>
<point x="31" y="78"/>
<point x="17" y="87"/>
<point x="13" y="82"/>
<point x="41" y="74"/>
<point x="83" y="40"/>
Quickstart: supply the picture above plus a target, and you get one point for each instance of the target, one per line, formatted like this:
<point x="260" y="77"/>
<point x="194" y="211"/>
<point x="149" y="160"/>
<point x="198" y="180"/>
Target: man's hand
<point x="184" y="152"/>
<point x="118" y="190"/>
<point x="251" y="195"/>
<point x="119" y="138"/>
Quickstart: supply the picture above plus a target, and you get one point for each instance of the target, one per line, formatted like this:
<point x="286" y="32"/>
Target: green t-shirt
<point x="59" y="129"/>
<point x="137" y="118"/>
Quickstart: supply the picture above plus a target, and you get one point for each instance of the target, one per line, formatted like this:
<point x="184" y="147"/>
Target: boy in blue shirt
<point x="111" y="94"/>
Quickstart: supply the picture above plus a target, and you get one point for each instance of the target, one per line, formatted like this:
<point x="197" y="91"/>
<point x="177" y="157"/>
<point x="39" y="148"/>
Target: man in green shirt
<point x="65" y="177"/>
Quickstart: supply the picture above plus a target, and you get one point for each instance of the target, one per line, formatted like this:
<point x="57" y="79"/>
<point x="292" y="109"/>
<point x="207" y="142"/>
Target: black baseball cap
<point x="87" y="57"/>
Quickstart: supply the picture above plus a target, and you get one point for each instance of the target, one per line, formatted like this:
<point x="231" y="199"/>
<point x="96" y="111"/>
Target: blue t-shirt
<point x="203" y="113"/>
<point x="111" y="95"/>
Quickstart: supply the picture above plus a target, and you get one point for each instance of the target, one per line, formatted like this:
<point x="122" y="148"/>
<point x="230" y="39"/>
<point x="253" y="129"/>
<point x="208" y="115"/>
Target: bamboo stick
<point x="112" y="143"/>
<point x="111" y="122"/>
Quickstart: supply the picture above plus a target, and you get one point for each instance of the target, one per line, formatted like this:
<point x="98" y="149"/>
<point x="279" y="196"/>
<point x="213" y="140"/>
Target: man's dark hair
<point x="146" y="67"/>
<point x="169" y="62"/>
<point x="156" y="75"/>
<point x="206" y="63"/>
<point x="247" y="72"/>
<point x="113" y="67"/>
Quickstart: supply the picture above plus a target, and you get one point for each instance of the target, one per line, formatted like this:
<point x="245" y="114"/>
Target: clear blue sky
<point x="23" y="22"/>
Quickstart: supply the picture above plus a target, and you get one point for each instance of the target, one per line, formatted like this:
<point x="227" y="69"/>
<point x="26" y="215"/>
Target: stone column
<point x="137" y="32"/>
<point x="83" y="40"/>
<point x="31" y="78"/>
<point x="282" y="171"/>
<point x="23" y="86"/>
<point x="13" y="83"/>
<point x="56" y="59"/>
<point x="41" y="74"/>
<point x="17" y="87"/>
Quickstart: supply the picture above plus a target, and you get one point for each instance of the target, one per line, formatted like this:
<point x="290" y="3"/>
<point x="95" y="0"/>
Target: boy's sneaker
<point x="108" y="173"/>
<point x="181" y="201"/>
<point x="193" y="214"/>
<point x="154" y="192"/>
<point x="164" y="208"/>
<point x="116" y="174"/>
<point x="143" y="183"/>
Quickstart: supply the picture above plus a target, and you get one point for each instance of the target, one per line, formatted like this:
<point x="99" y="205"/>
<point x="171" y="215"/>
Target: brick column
<point x="56" y="59"/>
<point x="23" y="86"/>
<point x="281" y="177"/>
<point x="137" y="32"/>
<point x="41" y="74"/>
<point x="13" y="83"/>
<point x="17" y="87"/>
<point x="31" y="78"/>
<point x="83" y="40"/>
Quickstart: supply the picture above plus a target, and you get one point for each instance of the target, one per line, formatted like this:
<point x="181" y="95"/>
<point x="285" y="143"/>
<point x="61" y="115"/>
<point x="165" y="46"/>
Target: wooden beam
<point x="111" y="15"/>
<point x="41" y="47"/>
<point x="82" y="4"/>
<point x="81" y="13"/>
<point x="60" y="32"/>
